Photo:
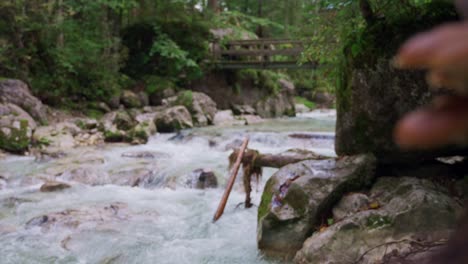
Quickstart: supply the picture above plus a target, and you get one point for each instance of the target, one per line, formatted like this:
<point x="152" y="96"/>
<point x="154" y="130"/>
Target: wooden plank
<point x="264" y="65"/>
<point x="263" y="42"/>
<point x="263" y="52"/>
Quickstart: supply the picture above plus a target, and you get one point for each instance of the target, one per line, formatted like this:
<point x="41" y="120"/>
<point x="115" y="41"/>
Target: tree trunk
<point x="213" y="6"/>
<point x="366" y="11"/>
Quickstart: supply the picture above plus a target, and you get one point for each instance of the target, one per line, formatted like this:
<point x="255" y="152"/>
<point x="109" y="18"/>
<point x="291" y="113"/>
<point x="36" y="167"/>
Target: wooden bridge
<point x="260" y="54"/>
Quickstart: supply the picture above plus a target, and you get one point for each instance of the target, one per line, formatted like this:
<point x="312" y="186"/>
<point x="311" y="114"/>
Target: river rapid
<point x="161" y="221"/>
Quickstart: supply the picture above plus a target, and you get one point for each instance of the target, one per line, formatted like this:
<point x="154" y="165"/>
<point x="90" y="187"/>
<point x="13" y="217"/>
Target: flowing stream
<point x="163" y="220"/>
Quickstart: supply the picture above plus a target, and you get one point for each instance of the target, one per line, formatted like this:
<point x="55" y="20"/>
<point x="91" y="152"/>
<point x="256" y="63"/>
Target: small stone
<point x="53" y="186"/>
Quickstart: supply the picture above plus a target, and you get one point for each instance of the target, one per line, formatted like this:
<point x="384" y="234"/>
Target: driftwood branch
<point x="232" y="179"/>
<point x="253" y="162"/>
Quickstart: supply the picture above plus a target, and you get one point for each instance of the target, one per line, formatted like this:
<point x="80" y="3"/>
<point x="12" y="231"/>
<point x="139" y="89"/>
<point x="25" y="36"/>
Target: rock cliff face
<point x="370" y="101"/>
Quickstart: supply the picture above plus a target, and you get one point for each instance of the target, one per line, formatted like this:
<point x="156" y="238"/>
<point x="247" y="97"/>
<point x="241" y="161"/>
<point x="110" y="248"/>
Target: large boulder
<point x="57" y="137"/>
<point x="130" y="99"/>
<point x="17" y="92"/>
<point x="277" y="105"/>
<point x="406" y="220"/>
<point x="16" y="128"/>
<point x="298" y="196"/>
<point x="201" y="106"/>
<point x="369" y="105"/>
<point x="132" y="126"/>
<point x="174" y="119"/>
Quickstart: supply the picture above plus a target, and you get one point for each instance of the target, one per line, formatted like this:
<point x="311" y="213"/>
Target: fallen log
<point x="253" y="162"/>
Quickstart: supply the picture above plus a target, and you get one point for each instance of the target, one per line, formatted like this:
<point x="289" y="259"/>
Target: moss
<point x="377" y="221"/>
<point x="304" y="101"/>
<point x="297" y="199"/>
<point x="267" y="197"/>
<point x="138" y="134"/>
<point x="94" y="114"/>
<point x="117" y="136"/>
<point x="263" y="79"/>
<point x="18" y="140"/>
<point x="185" y="98"/>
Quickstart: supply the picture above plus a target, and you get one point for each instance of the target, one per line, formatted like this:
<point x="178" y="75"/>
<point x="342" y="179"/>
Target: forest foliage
<point x="75" y="50"/>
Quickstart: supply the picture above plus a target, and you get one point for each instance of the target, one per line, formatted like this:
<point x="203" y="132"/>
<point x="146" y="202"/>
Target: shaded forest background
<point x="76" y="51"/>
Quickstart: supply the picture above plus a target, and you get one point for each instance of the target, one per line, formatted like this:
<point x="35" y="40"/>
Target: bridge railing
<point x="260" y="53"/>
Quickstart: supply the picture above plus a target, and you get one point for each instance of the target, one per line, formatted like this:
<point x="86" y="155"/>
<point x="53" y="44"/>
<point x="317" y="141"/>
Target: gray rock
<point x="243" y="110"/>
<point x="144" y="99"/>
<point x="369" y="104"/>
<point x="251" y="119"/>
<point x="56" y="138"/>
<point x="174" y="119"/>
<point x="277" y="105"/>
<point x="201" y="106"/>
<point x="287" y="86"/>
<point x="301" y="108"/>
<point x="130" y="100"/>
<point x="54" y="186"/>
<point x="202" y="179"/>
<point x="146" y="155"/>
<point x="298" y="195"/>
<point x="323" y="99"/>
<point x="349" y="205"/>
<point x="17" y="92"/>
<point x="226" y="118"/>
<point x="16" y="128"/>
<point x="414" y="217"/>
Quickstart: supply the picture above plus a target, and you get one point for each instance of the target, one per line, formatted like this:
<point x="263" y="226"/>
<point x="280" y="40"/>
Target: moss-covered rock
<point x="298" y="196"/>
<point x="130" y="100"/>
<point x="16" y="127"/>
<point x="372" y="95"/>
<point x="173" y="119"/>
<point x="201" y="107"/>
<point x="401" y="211"/>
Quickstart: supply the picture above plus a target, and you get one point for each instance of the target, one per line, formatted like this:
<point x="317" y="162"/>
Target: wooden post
<point x="228" y="190"/>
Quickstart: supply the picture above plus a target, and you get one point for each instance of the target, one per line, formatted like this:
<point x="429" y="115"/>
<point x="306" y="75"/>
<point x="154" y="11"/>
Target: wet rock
<point x="202" y="179"/>
<point x="296" y="198"/>
<point x="7" y="229"/>
<point x="174" y="119"/>
<point x="54" y="186"/>
<point x="133" y="177"/>
<point x="277" y="105"/>
<point x="90" y="218"/>
<point x="86" y="176"/>
<point x="252" y="119"/>
<point x="16" y="127"/>
<point x="12" y="202"/>
<point x="226" y="118"/>
<point x="146" y="155"/>
<point x="18" y="93"/>
<point x="130" y="100"/>
<point x="414" y="216"/>
<point x="243" y="110"/>
<point x="58" y="137"/>
<point x="3" y="182"/>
